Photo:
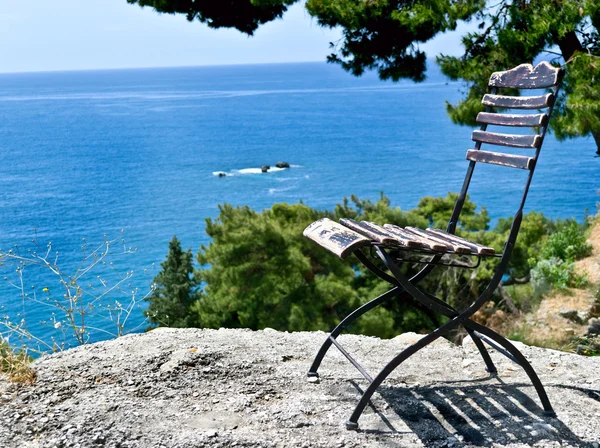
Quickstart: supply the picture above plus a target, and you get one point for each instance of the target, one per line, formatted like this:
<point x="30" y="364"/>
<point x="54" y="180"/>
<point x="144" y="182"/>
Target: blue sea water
<point x="84" y="154"/>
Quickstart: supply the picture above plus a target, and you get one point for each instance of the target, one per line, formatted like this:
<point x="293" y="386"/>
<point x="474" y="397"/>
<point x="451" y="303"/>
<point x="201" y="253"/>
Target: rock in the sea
<point x="265" y="168"/>
<point x="282" y="165"/>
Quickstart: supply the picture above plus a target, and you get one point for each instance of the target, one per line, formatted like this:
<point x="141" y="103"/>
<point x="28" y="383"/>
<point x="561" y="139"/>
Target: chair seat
<point x="348" y="235"/>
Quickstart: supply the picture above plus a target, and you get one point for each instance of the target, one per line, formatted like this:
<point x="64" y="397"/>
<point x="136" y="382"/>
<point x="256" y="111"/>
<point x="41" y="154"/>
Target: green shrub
<point x="568" y="243"/>
<point x="557" y="273"/>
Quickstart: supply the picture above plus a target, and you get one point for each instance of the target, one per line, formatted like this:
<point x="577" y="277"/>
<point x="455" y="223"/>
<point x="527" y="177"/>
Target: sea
<point x="134" y="156"/>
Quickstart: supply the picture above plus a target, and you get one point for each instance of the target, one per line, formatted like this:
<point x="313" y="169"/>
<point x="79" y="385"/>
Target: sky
<point x="43" y="35"/>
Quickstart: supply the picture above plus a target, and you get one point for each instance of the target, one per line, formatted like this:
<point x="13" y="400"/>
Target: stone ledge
<point x="222" y="388"/>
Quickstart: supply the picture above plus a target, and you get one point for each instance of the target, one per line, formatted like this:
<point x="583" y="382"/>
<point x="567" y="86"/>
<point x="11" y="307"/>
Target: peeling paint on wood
<point x="518" y="120"/>
<point x="456" y="247"/>
<point x="518" y="102"/>
<point x="368" y="230"/>
<point x="400" y="239"/>
<point x="525" y="76"/>
<point x="516" y="141"/>
<point x="427" y="242"/>
<point x="475" y="247"/>
<point x="498" y="158"/>
<point x="334" y="237"/>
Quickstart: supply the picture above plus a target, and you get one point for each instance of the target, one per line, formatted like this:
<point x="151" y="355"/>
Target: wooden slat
<point x="400" y="233"/>
<point x="364" y="228"/>
<point x="518" y="102"/>
<point x="521" y="120"/>
<point x="516" y="141"/>
<point x="498" y="158"/>
<point x="402" y="240"/>
<point x="525" y="76"/>
<point x="456" y="247"/>
<point x="427" y="242"/>
<point x="478" y="248"/>
<point x="334" y="237"/>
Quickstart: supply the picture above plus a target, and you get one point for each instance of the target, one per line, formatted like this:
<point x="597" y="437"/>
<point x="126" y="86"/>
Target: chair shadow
<point x="477" y="414"/>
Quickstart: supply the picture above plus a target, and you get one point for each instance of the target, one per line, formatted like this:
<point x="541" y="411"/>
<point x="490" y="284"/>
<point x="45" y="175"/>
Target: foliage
<point x="175" y="290"/>
<point x="568" y="243"/>
<point x="513" y="32"/>
<point x="244" y="15"/>
<point x="522" y="296"/>
<point x="554" y="272"/>
<point x="260" y="271"/>
<point x="385" y="35"/>
<point x="578" y="110"/>
<point x="552" y="265"/>
<point x="588" y="345"/>
<point x="534" y="228"/>
<point x="76" y="300"/>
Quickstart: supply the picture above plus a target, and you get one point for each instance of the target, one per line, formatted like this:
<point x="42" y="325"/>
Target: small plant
<point x="588" y="345"/>
<point x="15" y="364"/>
<point x="94" y="293"/>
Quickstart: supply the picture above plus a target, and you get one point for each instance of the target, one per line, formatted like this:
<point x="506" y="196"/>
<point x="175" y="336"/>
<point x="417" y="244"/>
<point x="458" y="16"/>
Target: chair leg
<point x="312" y="372"/>
<point x="352" y="422"/>
<point x="451" y="312"/>
<point x="435" y="304"/>
<point x="522" y="361"/>
<point x="489" y="364"/>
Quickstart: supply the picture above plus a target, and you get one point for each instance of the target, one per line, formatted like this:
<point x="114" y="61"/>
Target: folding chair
<point x="391" y="244"/>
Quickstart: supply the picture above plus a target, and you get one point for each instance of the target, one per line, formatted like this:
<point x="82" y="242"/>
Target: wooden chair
<point x="369" y="241"/>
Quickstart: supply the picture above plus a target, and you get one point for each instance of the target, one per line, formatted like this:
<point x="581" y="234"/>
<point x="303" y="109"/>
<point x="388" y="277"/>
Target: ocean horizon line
<point x="167" y="67"/>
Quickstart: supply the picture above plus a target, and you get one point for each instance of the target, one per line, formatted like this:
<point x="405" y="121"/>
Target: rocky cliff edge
<point x="225" y="388"/>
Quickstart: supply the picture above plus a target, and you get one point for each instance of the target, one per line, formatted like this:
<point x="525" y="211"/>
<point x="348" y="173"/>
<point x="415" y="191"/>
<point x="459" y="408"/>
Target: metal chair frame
<point x="403" y="287"/>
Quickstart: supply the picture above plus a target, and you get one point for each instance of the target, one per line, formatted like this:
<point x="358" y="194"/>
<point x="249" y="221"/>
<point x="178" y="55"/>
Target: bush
<point x="556" y="273"/>
<point x="568" y="243"/>
<point x="553" y="265"/>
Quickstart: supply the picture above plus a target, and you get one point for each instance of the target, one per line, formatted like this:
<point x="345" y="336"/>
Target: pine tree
<point x="176" y="289"/>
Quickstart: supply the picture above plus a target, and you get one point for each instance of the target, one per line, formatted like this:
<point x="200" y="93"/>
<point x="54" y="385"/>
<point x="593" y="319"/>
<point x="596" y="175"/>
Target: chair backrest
<point x="502" y="87"/>
<point x="525" y="76"/>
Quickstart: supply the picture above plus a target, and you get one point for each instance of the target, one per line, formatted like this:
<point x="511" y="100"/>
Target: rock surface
<point x="225" y="388"/>
<point x="594" y="327"/>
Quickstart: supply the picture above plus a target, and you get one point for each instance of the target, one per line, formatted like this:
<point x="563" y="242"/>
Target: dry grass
<point x="16" y="366"/>
<point x="557" y="338"/>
